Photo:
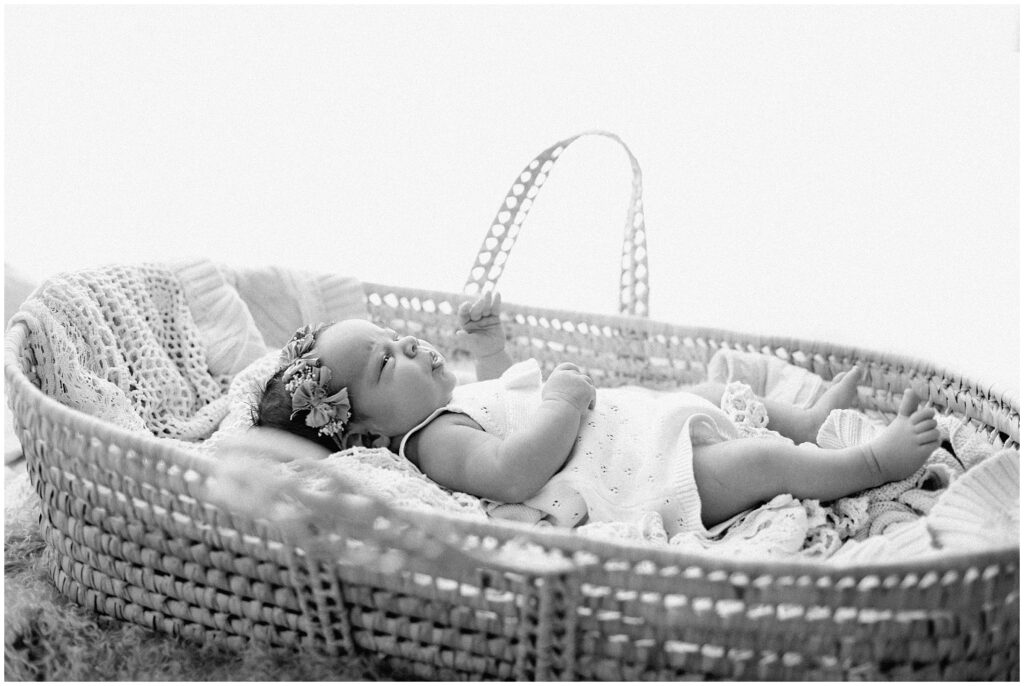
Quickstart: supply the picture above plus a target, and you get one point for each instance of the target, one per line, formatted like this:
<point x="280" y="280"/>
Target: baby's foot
<point x="903" y="446"/>
<point x="839" y="395"/>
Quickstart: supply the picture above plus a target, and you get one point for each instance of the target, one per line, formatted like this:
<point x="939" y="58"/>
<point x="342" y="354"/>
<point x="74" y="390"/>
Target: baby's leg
<point x="797" y="423"/>
<point x="733" y="476"/>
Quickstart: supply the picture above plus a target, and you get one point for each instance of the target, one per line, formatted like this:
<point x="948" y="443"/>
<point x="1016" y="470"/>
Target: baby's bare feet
<point x="906" y="443"/>
<point x="839" y="396"/>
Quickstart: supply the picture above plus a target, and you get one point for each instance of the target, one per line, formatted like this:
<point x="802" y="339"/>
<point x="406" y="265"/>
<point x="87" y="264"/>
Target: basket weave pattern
<point x="129" y="535"/>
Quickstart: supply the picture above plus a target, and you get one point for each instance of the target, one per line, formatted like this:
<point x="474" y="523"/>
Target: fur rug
<point x="49" y="638"/>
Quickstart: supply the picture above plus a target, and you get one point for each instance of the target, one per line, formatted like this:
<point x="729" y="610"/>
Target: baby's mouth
<point x="436" y="360"/>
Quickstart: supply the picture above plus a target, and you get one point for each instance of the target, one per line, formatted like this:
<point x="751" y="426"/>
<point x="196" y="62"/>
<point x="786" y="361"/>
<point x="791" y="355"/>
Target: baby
<point x="562" y="447"/>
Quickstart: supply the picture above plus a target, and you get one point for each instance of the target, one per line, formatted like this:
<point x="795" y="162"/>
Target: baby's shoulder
<point x="438" y="429"/>
<point x="446" y="420"/>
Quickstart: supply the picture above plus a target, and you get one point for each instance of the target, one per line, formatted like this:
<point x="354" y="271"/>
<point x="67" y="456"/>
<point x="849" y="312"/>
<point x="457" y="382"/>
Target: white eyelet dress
<point x="633" y="454"/>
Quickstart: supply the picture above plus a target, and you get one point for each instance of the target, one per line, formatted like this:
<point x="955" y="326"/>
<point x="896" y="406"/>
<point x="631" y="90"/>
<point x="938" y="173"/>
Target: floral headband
<point x="307" y="382"/>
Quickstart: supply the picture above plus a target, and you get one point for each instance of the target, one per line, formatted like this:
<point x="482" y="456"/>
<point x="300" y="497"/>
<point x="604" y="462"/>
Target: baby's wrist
<point x="482" y="356"/>
<point x="563" y="399"/>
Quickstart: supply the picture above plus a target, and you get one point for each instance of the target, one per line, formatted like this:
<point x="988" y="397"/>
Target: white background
<point x="839" y="173"/>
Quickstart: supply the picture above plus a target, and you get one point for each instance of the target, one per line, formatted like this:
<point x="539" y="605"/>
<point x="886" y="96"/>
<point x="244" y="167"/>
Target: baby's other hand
<point x="480" y="323"/>
<point x="568" y="383"/>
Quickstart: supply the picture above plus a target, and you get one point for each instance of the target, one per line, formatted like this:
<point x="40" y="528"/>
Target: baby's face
<point x="394" y="383"/>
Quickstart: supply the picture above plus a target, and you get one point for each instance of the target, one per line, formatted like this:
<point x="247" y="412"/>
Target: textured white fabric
<point x="380" y="473"/>
<point x="748" y="412"/>
<point x="903" y="541"/>
<point x="982" y="508"/>
<point x="228" y="332"/>
<point x="281" y="300"/>
<point x="769" y="377"/>
<point x="242" y="396"/>
<point x="120" y="343"/>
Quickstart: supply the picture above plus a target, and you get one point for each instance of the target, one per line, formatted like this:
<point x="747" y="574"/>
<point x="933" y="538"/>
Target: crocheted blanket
<point x="120" y="343"/>
<point x="153" y="348"/>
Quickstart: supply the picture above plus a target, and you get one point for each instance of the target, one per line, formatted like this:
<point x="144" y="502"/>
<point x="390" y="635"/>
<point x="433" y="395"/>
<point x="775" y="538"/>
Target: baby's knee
<point x="754" y="465"/>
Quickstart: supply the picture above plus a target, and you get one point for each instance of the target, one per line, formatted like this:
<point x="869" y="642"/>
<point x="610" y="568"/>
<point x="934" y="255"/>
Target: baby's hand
<point x="481" y="330"/>
<point x="568" y="383"/>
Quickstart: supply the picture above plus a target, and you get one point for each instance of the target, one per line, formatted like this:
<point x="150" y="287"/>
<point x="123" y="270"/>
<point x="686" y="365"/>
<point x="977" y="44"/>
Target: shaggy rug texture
<point x="49" y="638"/>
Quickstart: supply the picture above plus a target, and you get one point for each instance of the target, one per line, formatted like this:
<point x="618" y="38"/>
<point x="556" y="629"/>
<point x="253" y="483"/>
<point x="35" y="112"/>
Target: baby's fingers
<point x="478" y="308"/>
<point x="481" y="324"/>
<point x="490" y="303"/>
<point x="925" y="425"/>
<point x="495" y="306"/>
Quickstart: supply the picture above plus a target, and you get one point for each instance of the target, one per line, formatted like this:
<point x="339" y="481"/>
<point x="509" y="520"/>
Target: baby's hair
<point x="274" y="406"/>
<point x="274" y="409"/>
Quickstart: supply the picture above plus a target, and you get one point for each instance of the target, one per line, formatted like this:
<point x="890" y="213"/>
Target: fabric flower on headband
<point x="300" y="344"/>
<point x="307" y="383"/>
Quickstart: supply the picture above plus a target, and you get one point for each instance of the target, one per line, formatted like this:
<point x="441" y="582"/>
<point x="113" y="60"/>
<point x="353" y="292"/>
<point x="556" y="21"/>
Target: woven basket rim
<point x="810" y="346"/>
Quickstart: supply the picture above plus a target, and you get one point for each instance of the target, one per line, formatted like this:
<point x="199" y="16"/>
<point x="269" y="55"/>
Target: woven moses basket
<point x="130" y="534"/>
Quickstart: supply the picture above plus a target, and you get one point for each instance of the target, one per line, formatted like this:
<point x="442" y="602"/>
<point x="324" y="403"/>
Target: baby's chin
<point x="449" y="381"/>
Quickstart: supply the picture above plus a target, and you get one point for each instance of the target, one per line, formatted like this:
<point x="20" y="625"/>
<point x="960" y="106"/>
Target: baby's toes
<point x="930" y="437"/>
<point x="848" y="379"/>
<point x="925" y="414"/>
<point x="909" y="403"/>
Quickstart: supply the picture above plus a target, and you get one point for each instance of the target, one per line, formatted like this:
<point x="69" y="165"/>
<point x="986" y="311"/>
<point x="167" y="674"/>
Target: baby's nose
<point x="410" y="345"/>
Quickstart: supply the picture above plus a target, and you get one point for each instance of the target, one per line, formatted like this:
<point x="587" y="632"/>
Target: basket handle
<point x="495" y="249"/>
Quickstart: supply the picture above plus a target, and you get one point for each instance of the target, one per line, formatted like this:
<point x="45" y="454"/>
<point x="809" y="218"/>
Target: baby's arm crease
<point x="468" y="459"/>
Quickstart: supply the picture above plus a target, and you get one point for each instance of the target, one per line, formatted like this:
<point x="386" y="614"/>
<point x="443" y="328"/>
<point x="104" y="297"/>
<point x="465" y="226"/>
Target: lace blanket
<point x="153" y="347"/>
<point x="120" y="343"/>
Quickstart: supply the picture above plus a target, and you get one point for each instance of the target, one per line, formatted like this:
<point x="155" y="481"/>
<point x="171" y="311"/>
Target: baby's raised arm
<point x="453" y="451"/>
<point x="484" y="336"/>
